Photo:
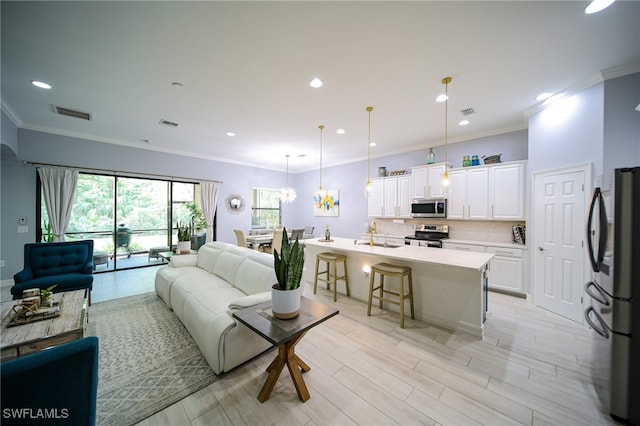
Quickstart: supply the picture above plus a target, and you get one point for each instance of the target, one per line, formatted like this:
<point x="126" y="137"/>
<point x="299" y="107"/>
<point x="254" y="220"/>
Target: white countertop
<point x="454" y="258"/>
<point x="486" y="243"/>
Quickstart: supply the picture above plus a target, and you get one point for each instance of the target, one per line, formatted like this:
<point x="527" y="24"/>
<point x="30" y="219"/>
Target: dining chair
<point x="276" y="242"/>
<point x="297" y="234"/>
<point x="242" y="240"/>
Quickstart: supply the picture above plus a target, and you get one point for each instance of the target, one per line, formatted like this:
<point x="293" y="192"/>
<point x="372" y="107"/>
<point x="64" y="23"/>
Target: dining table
<point x="255" y="241"/>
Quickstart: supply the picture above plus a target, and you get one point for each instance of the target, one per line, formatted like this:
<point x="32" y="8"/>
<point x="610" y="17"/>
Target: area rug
<point x="147" y="359"/>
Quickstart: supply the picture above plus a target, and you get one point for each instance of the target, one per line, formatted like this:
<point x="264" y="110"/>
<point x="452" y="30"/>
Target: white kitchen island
<point x="450" y="287"/>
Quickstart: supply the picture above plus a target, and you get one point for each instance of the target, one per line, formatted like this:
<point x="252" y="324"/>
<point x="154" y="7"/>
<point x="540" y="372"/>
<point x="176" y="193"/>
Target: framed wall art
<point x="326" y="203"/>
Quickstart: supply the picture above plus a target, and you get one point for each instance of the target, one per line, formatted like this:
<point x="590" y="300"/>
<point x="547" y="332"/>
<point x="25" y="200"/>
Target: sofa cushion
<point x="167" y="276"/>
<point x="183" y="288"/>
<point x="65" y="282"/>
<point x="208" y="257"/>
<point x="228" y="264"/>
<point x="256" y="274"/>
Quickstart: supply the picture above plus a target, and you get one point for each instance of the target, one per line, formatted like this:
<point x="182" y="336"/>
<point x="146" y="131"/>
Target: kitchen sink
<point x="388" y="245"/>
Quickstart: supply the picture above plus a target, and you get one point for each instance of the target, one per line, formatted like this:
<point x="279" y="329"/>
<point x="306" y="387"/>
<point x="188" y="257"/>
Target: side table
<point x="285" y="334"/>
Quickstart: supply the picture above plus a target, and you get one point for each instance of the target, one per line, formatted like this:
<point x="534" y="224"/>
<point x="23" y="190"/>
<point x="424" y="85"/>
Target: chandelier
<point x="287" y="194"/>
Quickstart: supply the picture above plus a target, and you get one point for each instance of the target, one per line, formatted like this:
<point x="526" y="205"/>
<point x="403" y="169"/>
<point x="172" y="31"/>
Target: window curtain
<point x="209" y="194"/>
<point x="59" y="187"/>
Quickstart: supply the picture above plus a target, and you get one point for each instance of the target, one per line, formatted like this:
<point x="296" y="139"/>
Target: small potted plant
<point x="184" y="238"/>
<point x="288" y="264"/>
<point x="46" y="295"/>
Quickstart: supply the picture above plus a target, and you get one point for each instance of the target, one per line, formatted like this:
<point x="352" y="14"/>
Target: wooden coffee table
<point x="35" y="336"/>
<point x="285" y="334"/>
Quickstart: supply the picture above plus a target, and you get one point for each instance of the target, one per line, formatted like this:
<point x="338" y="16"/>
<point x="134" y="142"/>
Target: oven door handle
<point x="603" y="330"/>
<point x="598" y="294"/>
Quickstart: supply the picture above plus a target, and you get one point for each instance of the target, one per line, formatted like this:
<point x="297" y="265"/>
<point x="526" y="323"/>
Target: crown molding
<point x="603" y="75"/>
<point x="13" y="116"/>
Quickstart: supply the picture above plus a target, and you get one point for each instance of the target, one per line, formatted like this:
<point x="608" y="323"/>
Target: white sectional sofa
<point x="204" y="289"/>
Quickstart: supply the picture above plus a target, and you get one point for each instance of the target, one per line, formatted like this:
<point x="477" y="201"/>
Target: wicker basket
<point x="491" y="159"/>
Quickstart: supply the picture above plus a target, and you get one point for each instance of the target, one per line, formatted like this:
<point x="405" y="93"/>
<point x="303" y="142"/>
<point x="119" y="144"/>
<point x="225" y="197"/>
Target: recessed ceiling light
<point x="597" y="5"/>
<point x="316" y="83"/>
<point x="230" y="134"/>
<point x="372" y="144"/>
<point x="340" y="131"/>
<point x="41" y="84"/>
<point x="543" y="96"/>
<point x="463" y="122"/>
<point x="441" y="98"/>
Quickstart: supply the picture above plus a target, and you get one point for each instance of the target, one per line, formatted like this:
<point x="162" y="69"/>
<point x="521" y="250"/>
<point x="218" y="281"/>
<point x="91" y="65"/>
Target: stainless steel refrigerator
<point x="614" y="289"/>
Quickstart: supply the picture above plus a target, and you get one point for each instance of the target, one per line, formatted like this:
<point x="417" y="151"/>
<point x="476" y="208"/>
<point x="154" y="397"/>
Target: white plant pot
<point x="285" y="304"/>
<point x="183" y="247"/>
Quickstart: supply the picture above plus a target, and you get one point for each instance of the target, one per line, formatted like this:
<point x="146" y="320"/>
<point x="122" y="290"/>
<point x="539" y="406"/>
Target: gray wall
<point x="9" y="136"/>
<point x="597" y="126"/>
<point x="621" y="125"/>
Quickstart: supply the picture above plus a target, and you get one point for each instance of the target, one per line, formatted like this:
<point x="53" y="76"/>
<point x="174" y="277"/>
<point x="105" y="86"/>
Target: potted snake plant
<point x="184" y="238"/>
<point x="288" y="265"/>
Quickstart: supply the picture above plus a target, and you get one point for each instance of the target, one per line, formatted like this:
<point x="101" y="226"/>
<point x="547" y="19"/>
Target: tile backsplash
<point x="476" y="230"/>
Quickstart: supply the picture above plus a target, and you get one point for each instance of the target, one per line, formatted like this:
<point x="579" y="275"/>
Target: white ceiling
<point x="245" y="67"/>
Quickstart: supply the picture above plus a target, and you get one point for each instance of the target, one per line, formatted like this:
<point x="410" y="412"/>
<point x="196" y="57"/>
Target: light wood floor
<point x="531" y="368"/>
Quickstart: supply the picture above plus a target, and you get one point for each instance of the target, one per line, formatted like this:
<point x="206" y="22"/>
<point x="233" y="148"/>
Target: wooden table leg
<point x="286" y="355"/>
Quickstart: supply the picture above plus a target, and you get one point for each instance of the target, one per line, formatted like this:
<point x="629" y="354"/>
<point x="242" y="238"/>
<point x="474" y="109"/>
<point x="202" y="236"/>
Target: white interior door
<point x="559" y="224"/>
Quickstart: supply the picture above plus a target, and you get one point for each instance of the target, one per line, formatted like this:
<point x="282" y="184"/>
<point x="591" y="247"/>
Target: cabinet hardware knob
<point x="540" y="249"/>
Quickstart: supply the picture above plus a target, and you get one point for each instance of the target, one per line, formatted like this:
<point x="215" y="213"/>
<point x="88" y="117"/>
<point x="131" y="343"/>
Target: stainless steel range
<point x="428" y="236"/>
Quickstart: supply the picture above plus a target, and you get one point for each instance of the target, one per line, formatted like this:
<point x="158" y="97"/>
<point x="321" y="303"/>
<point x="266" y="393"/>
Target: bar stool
<point x="331" y="273"/>
<point x="386" y="269"/>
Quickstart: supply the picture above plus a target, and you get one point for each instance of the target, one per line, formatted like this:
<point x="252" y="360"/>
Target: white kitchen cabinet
<point x="397" y="196"/>
<point x="506" y="183"/>
<point x="427" y="181"/>
<point x="468" y="194"/>
<point x="375" y="202"/>
<point x="506" y="269"/>
<point x="492" y="192"/>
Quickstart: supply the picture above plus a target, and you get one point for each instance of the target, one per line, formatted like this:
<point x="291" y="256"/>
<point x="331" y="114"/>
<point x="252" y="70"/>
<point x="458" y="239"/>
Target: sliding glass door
<point x="141" y="223"/>
<point x="132" y="221"/>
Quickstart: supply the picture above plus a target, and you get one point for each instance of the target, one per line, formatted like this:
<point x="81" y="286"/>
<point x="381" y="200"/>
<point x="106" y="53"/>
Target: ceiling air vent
<point x="168" y="123"/>
<point x="468" y="111"/>
<point x="72" y="113"/>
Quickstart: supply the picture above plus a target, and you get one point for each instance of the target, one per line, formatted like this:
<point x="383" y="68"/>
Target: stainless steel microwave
<point x="429" y="208"/>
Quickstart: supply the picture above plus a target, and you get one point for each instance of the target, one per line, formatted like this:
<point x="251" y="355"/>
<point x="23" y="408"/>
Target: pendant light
<point x="445" y="176"/>
<point x="368" y="187"/>
<point x="287" y="194"/>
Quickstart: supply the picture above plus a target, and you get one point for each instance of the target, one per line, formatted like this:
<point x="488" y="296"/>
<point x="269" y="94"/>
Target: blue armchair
<point x="69" y="265"/>
<point x="55" y="386"/>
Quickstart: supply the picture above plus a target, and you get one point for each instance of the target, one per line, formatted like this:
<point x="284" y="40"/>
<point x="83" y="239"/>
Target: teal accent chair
<point x="56" y="386"/>
<point x="69" y="265"/>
